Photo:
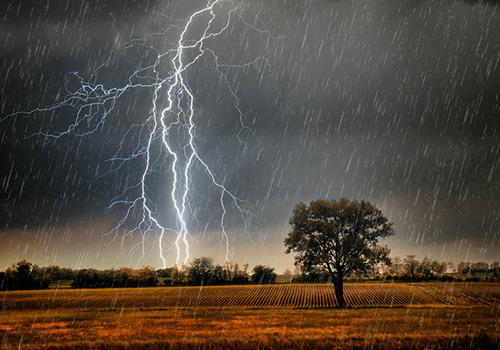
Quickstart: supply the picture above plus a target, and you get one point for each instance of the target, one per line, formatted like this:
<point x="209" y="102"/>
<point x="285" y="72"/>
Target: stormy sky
<point x="396" y="102"/>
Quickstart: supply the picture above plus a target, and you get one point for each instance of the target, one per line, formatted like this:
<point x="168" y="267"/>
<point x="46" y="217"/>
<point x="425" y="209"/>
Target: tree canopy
<point x="263" y="274"/>
<point x="339" y="237"/>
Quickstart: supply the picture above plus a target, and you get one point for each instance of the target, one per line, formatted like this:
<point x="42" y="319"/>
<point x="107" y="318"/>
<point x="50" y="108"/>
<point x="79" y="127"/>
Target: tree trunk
<point x="338" y="285"/>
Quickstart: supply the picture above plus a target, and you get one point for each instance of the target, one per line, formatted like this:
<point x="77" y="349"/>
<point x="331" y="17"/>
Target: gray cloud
<point x="393" y="101"/>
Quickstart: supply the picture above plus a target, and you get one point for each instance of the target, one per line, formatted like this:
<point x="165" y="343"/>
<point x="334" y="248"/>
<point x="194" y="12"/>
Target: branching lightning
<point x="172" y="113"/>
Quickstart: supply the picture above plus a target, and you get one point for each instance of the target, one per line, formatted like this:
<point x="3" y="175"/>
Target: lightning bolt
<point x="94" y="103"/>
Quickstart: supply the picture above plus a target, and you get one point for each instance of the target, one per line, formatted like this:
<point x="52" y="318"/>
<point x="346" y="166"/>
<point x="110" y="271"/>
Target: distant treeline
<point x="203" y="271"/>
<point x="410" y="268"/>
<point x="413" y="270"/>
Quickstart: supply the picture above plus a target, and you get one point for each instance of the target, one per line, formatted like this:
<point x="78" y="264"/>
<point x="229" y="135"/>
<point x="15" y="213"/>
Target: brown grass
<point x="136" y="319"/>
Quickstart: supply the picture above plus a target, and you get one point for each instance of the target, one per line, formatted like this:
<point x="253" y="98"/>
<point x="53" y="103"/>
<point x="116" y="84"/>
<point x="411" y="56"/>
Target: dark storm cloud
<point x="392" y="101"/>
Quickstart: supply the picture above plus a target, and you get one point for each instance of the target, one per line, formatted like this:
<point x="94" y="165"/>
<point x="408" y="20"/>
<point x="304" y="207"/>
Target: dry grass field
<point x="388" y="316"/>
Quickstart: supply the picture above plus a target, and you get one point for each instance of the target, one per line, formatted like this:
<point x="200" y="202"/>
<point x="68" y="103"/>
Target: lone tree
<point x="338" y="237"/>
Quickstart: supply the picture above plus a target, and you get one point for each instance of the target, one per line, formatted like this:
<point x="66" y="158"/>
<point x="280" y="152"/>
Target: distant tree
<point x="201" y="270"/>
<point x="487" y="271"/>
<point x="165" y="273"/>
<point x="480" y="267"/>
<point x="397" y="266"/>
<point x="288" y="275"/>
<point x="425" y="268"/>
<point x="87" y="278"/>
<point x="411" y="266"/>
<point x="495" y="268"/>
<point x="263" y="274"/>
<point x="317" y="275"/>
<point x="219" y="276"/>
<point x="339" y="237"/>
<point x="3" y="282"/>
<point x="464" y="268"/>
<point x="179" y="275"/>
<point x="450" y="267"/>
<point x="438" y="268"/>
<point x="233" y="273"/>
<point x="123" y="277"/>
<point x="57" y="273"/>
<point x="24" y="275"/>
<point x="145" y="277"/>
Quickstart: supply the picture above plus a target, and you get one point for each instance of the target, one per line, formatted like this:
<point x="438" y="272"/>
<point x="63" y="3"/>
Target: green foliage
<point x="234" y="275"/>
<point x="412" y="269"/>
<point x="263" y="274"/>
<point x="203" y="271"/>
<point x="166" y="272"/>
<point x="338" y="236"/>
<point x="23" y="275"/>
<point x="480" y="267"/>
<point x="124" y="277"/>
<point x="57" y="273"/>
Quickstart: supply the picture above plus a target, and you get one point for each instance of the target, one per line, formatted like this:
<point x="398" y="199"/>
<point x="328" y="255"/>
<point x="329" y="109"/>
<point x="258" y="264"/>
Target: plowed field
<point x="280" y="295"/>
<point x="283" y="316"/>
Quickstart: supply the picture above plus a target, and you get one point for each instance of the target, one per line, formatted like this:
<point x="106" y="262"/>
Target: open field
<point x="278" y="295"/>
<point x="387" y="315"/>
